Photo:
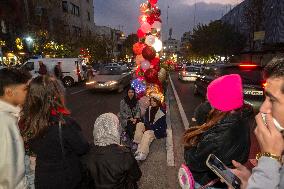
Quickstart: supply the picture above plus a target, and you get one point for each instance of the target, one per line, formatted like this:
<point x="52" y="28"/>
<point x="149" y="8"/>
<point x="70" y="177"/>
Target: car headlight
<point x="90" y="82"/>
<point x="111" y="83"/>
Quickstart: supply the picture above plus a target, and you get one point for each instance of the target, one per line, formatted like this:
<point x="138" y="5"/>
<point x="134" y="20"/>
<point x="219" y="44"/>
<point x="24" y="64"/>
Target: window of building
<point x="65" y="6"/>
<point x="89" y="16"/>
<point x="77" y="31"/>
<point x="75" y="10"/>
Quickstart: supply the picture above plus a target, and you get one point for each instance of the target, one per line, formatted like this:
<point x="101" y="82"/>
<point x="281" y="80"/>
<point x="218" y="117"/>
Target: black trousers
<point x="130" y="129"/>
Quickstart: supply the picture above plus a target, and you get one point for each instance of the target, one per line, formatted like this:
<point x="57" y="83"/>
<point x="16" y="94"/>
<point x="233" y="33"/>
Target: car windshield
<point x="251" y="76"/>
<point x="192" y="69"/>
<point x="110" y="71"/>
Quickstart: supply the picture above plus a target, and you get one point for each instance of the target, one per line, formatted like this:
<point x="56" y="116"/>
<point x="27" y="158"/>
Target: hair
<point x="192" y="135"/>
<point x="275" y="69"/>
<point x="9" y="77"/>
<point x="159" y="104"/>
<point x="43" y="95"/>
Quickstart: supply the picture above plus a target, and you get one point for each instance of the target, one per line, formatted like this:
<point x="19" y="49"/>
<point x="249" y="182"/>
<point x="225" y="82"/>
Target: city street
<point x="86" y="106"/>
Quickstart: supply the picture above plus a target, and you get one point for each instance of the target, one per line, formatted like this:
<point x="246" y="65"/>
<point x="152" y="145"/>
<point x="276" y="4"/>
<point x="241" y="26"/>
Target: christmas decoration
<point x="138" y="85"/>
<point x="149" y="53"/>
<point x="140" y="34"/>
<point x="138" y="47"/>
<point x="149" y="75"/>
<point x="145" y="64"/>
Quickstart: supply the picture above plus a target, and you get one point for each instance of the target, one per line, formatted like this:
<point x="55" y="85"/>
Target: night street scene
<point x="141" y="94"/>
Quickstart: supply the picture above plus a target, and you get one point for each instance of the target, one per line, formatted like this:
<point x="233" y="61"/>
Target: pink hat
<point x="226" y="93"/>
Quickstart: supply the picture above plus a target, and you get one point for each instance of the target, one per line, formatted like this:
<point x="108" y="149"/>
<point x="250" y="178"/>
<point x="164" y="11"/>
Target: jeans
<point x="30" y="174"/>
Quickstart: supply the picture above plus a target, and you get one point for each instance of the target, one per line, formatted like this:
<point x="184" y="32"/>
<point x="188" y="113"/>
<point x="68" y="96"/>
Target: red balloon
<point x="151" y="76"/>
<point x="155" y="61"/>
<point x="138" y="48"/>
<point x="153" y="2"/>
<point x="149" y="53"/>
<point x="140" y="33"/>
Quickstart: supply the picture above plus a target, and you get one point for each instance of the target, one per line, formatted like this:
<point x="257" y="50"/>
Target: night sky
<point x="123" y="14"/>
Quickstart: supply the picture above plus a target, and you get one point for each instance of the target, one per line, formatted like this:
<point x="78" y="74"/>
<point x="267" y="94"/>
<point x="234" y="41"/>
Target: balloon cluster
<point x="148" y="47"/>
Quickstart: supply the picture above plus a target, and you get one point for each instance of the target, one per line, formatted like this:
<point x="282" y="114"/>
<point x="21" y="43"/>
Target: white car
<point x="190" y="73"/>
<point x="110" y="78"/>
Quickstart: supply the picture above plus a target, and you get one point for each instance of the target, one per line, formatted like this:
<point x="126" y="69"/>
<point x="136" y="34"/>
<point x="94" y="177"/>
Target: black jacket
<point x="159" y="126"/>
<point x="52" y="170"/>
<point x="113" y="167"/>
<point x="228" y="140"/>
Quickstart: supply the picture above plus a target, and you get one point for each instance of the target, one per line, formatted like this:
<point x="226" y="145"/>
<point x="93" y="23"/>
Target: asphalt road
<point x="86" y="106"/>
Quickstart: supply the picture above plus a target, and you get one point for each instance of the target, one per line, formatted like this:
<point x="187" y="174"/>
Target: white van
<point x="71" y="68"/>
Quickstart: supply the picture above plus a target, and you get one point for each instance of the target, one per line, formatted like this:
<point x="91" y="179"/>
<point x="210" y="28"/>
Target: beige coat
<point x="12" y="167"/>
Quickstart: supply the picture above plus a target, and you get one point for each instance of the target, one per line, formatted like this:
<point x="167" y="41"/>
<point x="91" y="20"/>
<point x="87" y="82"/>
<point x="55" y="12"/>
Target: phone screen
<point x="223" y="171"/>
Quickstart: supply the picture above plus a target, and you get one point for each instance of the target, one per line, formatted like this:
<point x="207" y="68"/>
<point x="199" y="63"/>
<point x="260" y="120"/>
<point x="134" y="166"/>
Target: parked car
<point x="190" y="73"/>
<point x="110" y="78"/>
<point x="71" y="68"/>
<point x="251" y="74"/>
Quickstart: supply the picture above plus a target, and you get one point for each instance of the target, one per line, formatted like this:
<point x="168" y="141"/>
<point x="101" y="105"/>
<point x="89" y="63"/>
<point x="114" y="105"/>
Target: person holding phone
<point x="225" y="132"/>
<point x="269" y="172"/>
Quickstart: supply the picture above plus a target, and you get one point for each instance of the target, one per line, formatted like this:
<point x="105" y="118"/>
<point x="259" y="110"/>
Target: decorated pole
<point x="149" y="74"/>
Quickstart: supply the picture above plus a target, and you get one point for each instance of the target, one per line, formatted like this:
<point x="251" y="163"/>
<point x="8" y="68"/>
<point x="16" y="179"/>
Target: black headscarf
<point x="131" y="102"/>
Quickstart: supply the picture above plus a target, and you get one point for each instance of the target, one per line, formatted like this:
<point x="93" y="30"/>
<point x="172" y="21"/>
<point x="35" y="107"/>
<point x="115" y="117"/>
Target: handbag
<point x="87" y="181"/>
<point x="186" y="180"/>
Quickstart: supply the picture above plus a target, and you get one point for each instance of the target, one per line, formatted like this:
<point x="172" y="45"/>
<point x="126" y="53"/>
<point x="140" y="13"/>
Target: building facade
<point x="264" y="30"/>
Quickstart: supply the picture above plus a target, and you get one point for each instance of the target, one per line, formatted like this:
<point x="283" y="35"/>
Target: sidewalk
<point x="157" y="174"/>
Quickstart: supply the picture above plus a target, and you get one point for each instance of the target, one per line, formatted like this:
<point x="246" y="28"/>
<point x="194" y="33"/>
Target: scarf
<point x="153" y="111"/>
<point x="106" y="130"/>
<point x="130" y="102"/>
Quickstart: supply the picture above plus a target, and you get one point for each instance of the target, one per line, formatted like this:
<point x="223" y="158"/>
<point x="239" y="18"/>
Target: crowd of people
<point x="42" y="146"/>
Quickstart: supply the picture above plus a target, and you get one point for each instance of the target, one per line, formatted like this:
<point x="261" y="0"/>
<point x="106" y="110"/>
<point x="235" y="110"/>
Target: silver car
<point x="190" y="73"/>
<point x="110" y="78"/>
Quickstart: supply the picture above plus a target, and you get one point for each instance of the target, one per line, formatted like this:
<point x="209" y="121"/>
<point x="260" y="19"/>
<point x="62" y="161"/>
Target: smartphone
<point x="222" y="171"/>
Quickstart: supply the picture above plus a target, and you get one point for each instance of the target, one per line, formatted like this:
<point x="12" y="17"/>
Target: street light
<point x="29" y="39"/>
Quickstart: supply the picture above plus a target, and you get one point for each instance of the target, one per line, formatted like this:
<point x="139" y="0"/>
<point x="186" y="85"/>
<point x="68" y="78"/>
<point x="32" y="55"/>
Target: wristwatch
<point x="270" y="155"/>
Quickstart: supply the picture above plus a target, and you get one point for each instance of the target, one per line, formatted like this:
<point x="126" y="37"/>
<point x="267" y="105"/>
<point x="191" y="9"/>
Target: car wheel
<point x="120" y="88"/>
<point x="195" y="91"/>
<point x="68" y="81"/>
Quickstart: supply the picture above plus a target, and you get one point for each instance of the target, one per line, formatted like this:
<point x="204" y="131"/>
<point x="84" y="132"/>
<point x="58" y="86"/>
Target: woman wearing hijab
<point x="112" y="166"/>
<point x="129" y="113"/>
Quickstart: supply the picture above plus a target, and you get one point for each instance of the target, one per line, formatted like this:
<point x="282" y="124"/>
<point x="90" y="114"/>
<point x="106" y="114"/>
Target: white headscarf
<point x="106" y="130"/>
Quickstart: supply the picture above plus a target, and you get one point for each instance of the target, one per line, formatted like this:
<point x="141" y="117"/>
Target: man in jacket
<point x="13" y="89"/>
<point x="269" y="173"/>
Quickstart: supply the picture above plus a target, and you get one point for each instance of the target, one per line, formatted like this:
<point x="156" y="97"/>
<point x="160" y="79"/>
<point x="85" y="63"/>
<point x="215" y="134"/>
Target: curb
<point x="181" y="110"/>
<point x="169" y="139"/>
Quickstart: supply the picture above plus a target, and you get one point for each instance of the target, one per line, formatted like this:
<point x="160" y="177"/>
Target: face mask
<point x="276" y="123"/>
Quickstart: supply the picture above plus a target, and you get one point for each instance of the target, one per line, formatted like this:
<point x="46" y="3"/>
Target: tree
<point x="127" y="46"/>
<point x="216" y="39"/>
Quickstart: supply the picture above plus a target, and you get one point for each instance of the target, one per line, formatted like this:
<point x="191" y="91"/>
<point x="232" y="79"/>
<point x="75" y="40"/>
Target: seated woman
<point x="154" y="127"/>
<point x="226" y="133"/>
<point x="111" y="165"/>
<point x="129" y="113"/>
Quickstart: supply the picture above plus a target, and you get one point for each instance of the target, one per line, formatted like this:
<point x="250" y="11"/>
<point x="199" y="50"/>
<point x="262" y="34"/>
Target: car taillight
<point x="248" y="66"/>
<point x="264" y="84"/>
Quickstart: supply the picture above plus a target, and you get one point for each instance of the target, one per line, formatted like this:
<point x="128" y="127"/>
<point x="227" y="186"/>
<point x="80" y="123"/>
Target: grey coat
<point x="125" y="112"/>
<point x="268" y="174"/>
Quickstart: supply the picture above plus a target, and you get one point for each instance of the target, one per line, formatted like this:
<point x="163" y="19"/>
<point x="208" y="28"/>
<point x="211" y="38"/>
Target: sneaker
<point x="136" y="153"/>
<point x="134" y="146"/>
<point x="140" y="156"/>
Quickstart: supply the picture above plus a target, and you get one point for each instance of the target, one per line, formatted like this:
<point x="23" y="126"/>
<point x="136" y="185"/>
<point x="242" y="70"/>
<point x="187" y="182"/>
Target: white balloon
<point x="150" y="40"/>
<point x="146" y="27"/>
<point x="157" y="25"/>
<point x="145" y="65"/>
<point x="158" y="45"/>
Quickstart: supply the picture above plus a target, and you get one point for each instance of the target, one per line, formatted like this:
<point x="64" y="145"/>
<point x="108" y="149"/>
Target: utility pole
<point x="194" y="17"/>
<point x="27" y="12"/>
